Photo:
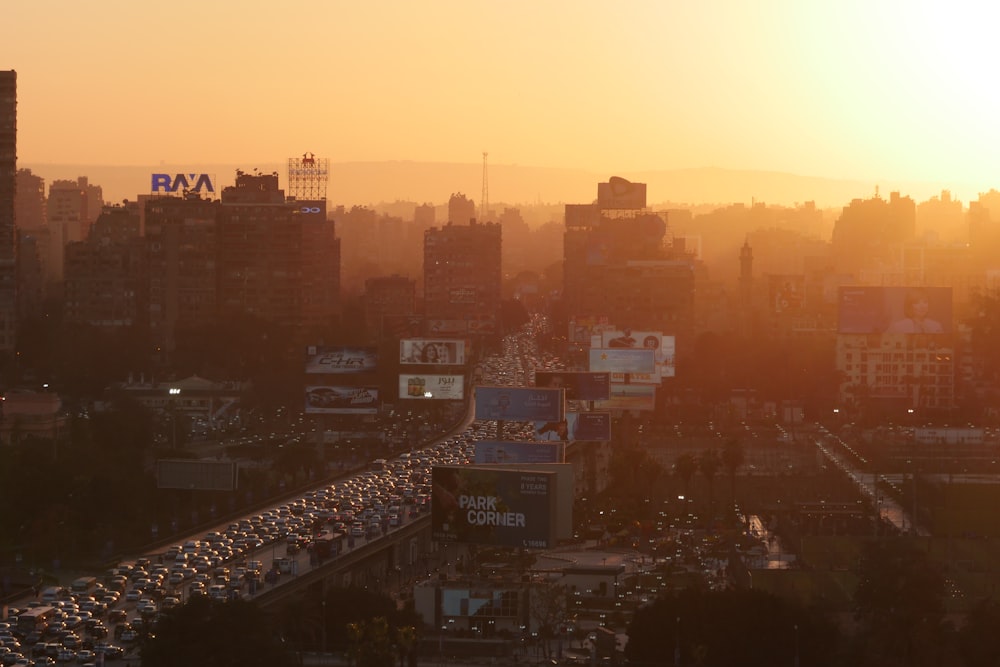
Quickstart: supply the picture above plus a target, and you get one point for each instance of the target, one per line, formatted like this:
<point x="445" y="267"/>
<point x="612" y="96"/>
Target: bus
<point x="83" y="585"/>
<point x="35" y="619"/>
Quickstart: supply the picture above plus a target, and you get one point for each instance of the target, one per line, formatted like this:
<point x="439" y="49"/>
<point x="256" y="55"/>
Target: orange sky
<point x="856" y="89"/>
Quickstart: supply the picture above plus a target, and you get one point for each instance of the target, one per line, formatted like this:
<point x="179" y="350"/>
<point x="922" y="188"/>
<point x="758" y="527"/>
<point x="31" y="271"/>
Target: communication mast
<point x="484" y="201"/>
<point x="307" y="177"/>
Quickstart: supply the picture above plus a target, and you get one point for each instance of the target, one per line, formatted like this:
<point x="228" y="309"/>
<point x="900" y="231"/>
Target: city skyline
<point x="880" y="93"/>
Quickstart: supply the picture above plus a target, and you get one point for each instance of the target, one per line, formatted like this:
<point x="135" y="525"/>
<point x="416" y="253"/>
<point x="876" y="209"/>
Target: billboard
<point x="520" y="403"/>
<point x="493" y="505"/>
<point x="483" y="323"/>
<point x="663" y="352"/>
<point x="445" y="387"/>
<point x="894" y="310"/>
<point x="336" y="360"/>
<point x="325" y="399"/>
<point x="622" y="360"/>
<point x="179" y="183"/>
<point x="787" y="293"/>
<point x="630" y="397"/>
<point x="447" y="327"/>
<point x="579" y="386"/>
<point x="576" y="426"/>
<point x="489" y="603"/>
<point x="402" y="326"/>
<point x="196" y="474"/>
<point x="619" y="193"/>
<point x="432" y="351"/>
<point x="499" y="451"/>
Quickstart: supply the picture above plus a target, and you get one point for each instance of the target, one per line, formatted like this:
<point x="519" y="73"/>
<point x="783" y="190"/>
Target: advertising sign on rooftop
<point x="894" y="310"/>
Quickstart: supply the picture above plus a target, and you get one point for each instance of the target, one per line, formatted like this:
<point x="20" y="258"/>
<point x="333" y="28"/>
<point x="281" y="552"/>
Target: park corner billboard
<point x="336" y="360"/>
<point x="493" y="505"/>
<point x="520" y="403"/>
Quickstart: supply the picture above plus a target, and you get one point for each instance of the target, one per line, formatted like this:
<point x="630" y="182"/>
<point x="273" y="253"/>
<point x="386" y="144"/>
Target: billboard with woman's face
<point x="894" y="310"/>
<point x="432" y="351"/>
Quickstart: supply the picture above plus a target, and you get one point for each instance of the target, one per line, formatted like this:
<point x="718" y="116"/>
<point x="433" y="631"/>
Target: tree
<point x="370" y="643"/>
<point x="696" y="626"/>
<point x="211" y="633"/>
<point x="708" y="465"/>
<point x="547" y="606"/>
<point x="899" y="602"/>
<point x="978" y="640"/>
<point x="732" y="459"/>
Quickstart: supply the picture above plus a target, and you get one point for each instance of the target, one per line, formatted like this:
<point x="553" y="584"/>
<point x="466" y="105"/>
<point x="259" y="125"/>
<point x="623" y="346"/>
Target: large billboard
<point x="630" y="397"/>
<point x="894" y="310"/>
<point x="579" y="386"/>
<point x="663" y="348"/>
<point x="443" y="387"/>
<point x="325" y="399"/>
<point x="576" y="426"/>
<point x="493" y="505"/>
<point x="438" y="327"/>
<point x="184" y="182"/>
<point x="624" y="360"/>
<point x="520" y="403"/>
<point x="335" y="360"/>
<point x="501" y="452"/>
<point x="432" y="351"/>
<point x="196" y="474"/>
<point x="787" y="293"/>
<point x="402" y="326"/>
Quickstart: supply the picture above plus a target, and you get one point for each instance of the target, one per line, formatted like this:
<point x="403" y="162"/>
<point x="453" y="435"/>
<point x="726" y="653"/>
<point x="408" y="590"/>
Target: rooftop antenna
<point x="484" y="200"/>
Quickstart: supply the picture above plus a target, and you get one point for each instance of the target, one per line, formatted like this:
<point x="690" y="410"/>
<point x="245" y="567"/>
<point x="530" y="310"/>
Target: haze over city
<point x="885" y="94"/>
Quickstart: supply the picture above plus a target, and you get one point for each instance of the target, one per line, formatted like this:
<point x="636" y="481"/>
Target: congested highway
<point x="246" y="557"/>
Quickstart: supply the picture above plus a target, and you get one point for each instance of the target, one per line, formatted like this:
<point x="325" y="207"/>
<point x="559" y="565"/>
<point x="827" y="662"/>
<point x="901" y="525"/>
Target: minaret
<point x="746" y="287"/>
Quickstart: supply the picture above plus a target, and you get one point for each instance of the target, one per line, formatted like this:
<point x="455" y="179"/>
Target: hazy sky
<point x="851" y="89"/>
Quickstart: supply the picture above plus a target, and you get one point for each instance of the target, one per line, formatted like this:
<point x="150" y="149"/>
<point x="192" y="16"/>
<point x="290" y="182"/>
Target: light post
<point x="796" y="626"/>
<point x="677" y="642"/>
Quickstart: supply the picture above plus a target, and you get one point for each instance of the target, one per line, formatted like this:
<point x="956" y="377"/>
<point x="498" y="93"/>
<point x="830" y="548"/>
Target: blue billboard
<point x="623" y="360"/>
<point x="576" y="426"/>
<point x="520" y="403"/>
<point x="500" y="451"/>
<point x="578" y="386"/>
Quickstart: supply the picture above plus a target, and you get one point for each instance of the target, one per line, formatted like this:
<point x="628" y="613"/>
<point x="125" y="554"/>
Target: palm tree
<point x="685" y="467"/>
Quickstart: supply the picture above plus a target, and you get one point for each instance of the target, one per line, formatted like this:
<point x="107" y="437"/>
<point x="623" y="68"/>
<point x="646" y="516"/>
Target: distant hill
<point x="373" y="183"/>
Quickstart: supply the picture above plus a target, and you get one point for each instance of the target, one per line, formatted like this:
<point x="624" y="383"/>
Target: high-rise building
<point x="462" y="272"/>
<point x="259" y="251"/>
<point x="8" y="222"/>
<point x="388" y="295"/>
<point x="104" y="284"/>
<point x="620" y="263"/>
<point x="181" y="267"/>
